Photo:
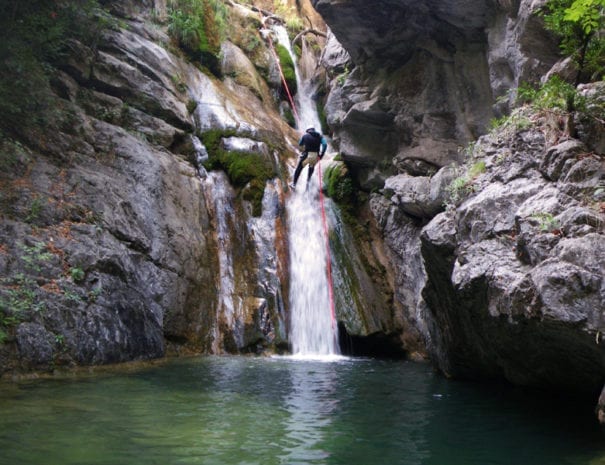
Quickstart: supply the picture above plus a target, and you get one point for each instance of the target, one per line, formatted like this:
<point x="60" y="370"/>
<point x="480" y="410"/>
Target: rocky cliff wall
<point x="118" y="243"/>
<point x="110" y="237"/>
<point x="492" y="291"/>
<point x="423" y="78"/>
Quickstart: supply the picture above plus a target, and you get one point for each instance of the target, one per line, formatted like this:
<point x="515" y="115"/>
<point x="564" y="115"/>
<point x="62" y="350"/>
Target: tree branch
<point x="308" y="31"/>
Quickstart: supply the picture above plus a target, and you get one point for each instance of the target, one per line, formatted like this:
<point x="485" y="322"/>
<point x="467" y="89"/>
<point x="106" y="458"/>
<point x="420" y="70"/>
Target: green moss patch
<point x="287" y="66"/>
<point x="246" y="171"/>
<point x="340" y="185"/>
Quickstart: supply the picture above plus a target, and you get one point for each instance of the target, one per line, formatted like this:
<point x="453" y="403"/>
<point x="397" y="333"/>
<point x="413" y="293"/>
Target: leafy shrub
<point x="199" y="28"/>
<point x="77" y="274"/>
<point x="553" y="94"/>
<point x="580" y="25"/>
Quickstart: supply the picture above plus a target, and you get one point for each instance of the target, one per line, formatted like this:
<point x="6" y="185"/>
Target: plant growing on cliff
<point x="339" y="185"/>
<point x="246" y="171"/>
<point x="198" y="26"/>
<point x="580" y="24"/>
<point x="462" y="185"/>
<point x="342" y="77"/>
<point x="17" y="297"/>
<point x="553" y="94"/>
<point x="547" y="222"/>
<point x="287" y="66"/>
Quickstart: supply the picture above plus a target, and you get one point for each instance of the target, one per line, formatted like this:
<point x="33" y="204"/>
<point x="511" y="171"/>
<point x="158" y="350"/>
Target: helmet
<point x="311" y="130"/>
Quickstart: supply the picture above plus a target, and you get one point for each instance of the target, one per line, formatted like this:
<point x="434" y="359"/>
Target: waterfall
<point x="312" y="330"/>
<point x="307" y="112"/>
<point x="228" y="305"/>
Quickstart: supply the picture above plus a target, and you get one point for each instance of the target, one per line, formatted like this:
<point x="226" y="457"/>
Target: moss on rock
<point x="246" y="170"/>
<point x="287" y="66"/>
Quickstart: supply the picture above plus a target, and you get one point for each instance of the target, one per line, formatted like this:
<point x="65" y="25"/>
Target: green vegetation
<point x="18" y="297"/>
<point x="191" y="106"/>
<point x="462" y="186"/>
<point x="458" y="189"/>
<point x="77" y="274"/>
<point x="547" y="222"/>
<point x="35" y="37"/>
<point x="198" y="26"/>
<point x="35" y="209"/>
<point x="247" y="171"/>
<point x="553" y="94"/>
<point x="339" y="185"/>
<point x="580" y="25"/>
<point x="287" y="66"/>
<point x="556" y="98"/>
<point x="252" y="42"/>
<point x="94" y="294"/>
<point x="33" y="256"/>
<point x="294" y="23"/>
<point x="342" y="77"/>
<point x="516" y="121"/>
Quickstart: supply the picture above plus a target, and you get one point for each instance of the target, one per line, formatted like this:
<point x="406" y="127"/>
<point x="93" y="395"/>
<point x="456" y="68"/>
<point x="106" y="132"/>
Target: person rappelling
<point x="314" y="147"/>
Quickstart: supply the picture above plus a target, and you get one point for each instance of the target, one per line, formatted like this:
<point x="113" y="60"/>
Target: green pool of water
<point x="237" y="410"/>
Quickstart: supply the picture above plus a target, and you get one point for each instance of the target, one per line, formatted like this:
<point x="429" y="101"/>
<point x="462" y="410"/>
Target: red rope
<point x="328" y="257"/>
<point x="321" y="197"/>
<point x="283" y="80"/>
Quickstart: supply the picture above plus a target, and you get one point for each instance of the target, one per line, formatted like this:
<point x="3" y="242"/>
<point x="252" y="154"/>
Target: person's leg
<point x="299" y="167"/>
<point x="297" y="171"/>
<point x="312" y="160"/>
<point x="311" y="168"/>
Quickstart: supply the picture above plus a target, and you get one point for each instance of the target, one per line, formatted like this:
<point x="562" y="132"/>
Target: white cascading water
<point x="222" y="207"/>
<point x="313" y="333"/>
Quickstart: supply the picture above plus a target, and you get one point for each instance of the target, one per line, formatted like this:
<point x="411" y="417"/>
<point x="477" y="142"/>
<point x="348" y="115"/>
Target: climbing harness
<point x="321" y="196"/>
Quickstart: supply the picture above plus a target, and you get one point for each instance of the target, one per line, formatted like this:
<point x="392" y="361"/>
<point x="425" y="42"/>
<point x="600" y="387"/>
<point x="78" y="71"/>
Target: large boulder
<point x="515" y="286"/>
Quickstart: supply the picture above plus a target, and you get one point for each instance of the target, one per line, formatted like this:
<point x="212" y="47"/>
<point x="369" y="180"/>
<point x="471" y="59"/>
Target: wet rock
<point x="36" y="345"/>
<point x="111" y="236"/>
<point x="236" y="64"/>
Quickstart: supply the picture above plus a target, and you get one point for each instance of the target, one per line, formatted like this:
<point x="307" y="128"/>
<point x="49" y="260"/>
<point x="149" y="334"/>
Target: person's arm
<point x="301" y="142"/>
<point x="324" y="146"/>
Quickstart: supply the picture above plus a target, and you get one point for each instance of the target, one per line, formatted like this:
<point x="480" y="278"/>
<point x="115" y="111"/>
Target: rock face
<point x="424" y="77"/>
<point x="515" y="284"/>
<point x="502" y="284"/>
<point x="115" y="244"/>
